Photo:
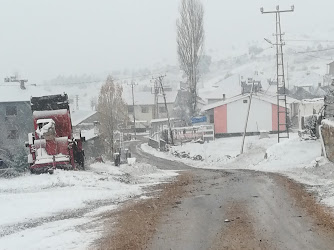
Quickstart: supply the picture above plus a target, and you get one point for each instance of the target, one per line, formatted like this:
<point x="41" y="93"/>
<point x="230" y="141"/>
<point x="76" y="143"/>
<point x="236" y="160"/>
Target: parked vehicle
<point x="52" y="144"/>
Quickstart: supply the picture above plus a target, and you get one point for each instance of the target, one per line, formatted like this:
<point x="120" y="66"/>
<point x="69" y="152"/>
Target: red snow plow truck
<point x="53" y="144"/>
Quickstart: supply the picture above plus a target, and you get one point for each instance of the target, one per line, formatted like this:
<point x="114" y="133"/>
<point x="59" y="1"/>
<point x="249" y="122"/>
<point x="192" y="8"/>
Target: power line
<point x="88" y="82"/>
<point x="313" y="51"/>
<point x="305" y="40"/>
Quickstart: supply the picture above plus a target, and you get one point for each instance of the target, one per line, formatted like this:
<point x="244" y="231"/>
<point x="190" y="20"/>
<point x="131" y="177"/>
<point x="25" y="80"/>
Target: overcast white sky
<point x="42" y="38"/>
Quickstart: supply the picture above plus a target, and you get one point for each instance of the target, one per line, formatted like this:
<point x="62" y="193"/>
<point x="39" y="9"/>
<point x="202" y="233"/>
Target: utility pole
<point x="156" y="91"/>
<point x="77" y="101"/>
<point x="248" y="110"/>
<point x="281" y="94"/>
<point x="159" y="85"/>
<point x="133" y="83"/>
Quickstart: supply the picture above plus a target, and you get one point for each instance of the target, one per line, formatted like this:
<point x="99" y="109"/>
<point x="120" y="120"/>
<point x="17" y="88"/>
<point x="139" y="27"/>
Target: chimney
<point x="224" y="97"/>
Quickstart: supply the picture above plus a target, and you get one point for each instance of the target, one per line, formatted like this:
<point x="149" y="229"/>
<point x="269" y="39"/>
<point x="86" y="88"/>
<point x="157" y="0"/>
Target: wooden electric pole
<point x="133" y="83"/>
<point x="158" y="85"/>
<point x="246" y="123"/>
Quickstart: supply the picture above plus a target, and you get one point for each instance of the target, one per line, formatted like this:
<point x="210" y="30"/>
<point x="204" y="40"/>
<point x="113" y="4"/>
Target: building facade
<point x="229" y="117"/>
<point x="15" y="123"/>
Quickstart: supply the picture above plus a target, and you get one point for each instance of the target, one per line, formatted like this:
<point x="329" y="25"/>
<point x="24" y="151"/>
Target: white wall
<point x="260" y="117"/>
<point x="306" y="108"/>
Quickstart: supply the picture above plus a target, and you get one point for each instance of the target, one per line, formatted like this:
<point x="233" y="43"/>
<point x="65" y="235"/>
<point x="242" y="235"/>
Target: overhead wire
<point x="83" y="82"/>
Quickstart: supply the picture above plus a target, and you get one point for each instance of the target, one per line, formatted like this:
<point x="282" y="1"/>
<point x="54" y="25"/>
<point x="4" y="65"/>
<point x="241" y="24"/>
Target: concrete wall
<point x="260" y="117"/>
<point x="22" y="122"/>
<point x="220" y="119"/>
<point x="328" y="136"/>
<point x="308" y="108"/>
<point x="282" y="118"/>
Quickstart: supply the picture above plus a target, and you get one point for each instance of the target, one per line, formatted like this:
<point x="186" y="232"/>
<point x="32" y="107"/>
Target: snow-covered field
<point x="62" y="210"/>
<point x="299" y="160"/>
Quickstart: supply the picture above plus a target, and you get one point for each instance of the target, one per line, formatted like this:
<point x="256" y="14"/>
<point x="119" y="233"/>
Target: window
<point x="144" y="109"/>
<point x="162" y="109"/>
<point x="212" y="119"/>
<point x="130" y="109"/>
<point x="13" y="134"/>
<point x="245" y="101"/>
<point x="11" y="110"/>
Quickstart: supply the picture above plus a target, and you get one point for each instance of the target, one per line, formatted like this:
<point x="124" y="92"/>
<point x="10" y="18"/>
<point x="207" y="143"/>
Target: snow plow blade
<point x="51" y="102"/>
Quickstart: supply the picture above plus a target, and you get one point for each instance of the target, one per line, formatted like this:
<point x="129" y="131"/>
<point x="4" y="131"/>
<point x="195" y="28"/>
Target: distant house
<point x="229" y="116"/>
<point x="144" y="108"/>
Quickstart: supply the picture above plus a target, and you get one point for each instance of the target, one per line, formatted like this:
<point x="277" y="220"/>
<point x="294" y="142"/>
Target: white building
<point x="309" y="107"/>
<point x="144" y="107"/>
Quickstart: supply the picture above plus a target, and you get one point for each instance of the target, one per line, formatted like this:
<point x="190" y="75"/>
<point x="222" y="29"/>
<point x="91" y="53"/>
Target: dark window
<point x="13" y="134"/>
<point x="212" y="119"/>
<point x="130" y="109"/>
<point x="162" y="109"/>
<point x="245" y="101"/>
<point x="144" y="109"/>
<point x="11" y="110"/>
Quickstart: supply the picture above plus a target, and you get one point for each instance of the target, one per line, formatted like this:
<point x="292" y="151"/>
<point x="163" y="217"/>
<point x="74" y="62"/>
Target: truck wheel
<point x="50" y="171"/>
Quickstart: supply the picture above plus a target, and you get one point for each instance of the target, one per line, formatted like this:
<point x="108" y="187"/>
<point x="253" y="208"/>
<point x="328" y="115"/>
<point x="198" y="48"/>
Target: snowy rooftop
<point x="78" y="116"/>
<point x="318" y="100"/>
<point x="14" y="93"/>
<point x="260" y="96"/>
<point x="147" y="98"/>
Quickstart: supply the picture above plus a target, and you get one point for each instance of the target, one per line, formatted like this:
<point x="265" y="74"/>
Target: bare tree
<point x="113" y="112"/>
<point x="190" y="41"/>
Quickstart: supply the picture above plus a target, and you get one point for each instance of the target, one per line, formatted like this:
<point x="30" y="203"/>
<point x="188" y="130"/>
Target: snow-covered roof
<point x="310" y="79"/>
<point x="314" y="100"/>
<point x="147" y="98"/>
<point x="260" y="96"/>
<point x="14" y="93"/>
<point x="89" y="134"/>
<point x="162" y="120"/>
<point x="78" y="116"/>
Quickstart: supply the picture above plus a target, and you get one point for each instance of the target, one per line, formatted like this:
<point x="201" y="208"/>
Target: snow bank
<point x="219" y="153"/>
<point x="290" y="154"/>
<point x="40" y="199"/>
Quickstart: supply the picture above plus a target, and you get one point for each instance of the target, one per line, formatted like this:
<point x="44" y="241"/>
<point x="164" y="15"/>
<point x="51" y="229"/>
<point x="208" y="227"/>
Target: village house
<point x="144" y="108"/>
<point x="15" y="118"/>
<point x="229" y="116"/>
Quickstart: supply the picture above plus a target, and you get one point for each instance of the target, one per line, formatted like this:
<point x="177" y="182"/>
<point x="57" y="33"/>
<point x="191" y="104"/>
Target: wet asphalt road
<point x="234" y="209"/>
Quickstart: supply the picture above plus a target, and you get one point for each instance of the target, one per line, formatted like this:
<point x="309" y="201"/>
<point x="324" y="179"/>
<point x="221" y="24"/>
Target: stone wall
<point x="327" y="132"/>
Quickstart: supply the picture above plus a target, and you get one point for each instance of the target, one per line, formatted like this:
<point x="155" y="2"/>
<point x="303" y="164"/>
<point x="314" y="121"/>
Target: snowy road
<point x="240" y="209"/>
<point x="261" y="214"/>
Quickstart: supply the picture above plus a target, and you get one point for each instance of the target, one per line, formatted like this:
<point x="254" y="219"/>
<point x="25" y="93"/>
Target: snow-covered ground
<point x="62" y="210"/>
<point x="299" y="160"/>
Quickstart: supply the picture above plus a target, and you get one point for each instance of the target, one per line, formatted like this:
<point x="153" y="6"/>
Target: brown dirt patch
<point x="136" y="222"/>
<point x="238" y="233"/>
<point x="306" y="200"/>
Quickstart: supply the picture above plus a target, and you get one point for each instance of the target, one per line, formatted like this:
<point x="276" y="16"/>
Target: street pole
<point x="245" y="129"/>
<point x="281" y="90"/>
<point x="164" y="95"/>
<point x="133" y="83"/>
